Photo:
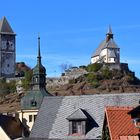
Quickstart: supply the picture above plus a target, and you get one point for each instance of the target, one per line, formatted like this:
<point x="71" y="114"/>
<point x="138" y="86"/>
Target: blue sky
<point x="71" y="30"/>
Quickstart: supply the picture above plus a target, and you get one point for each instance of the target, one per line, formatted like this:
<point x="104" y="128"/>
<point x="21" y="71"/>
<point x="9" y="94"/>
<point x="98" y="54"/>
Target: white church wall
<point x="94" y="59"/>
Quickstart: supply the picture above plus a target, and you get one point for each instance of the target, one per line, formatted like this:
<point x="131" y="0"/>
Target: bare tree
<point x="65" y="66"/>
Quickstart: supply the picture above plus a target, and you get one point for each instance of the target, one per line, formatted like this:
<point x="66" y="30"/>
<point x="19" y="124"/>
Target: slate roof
<point x="120" y="123"/>
<point x="52" y="122"/>
<point x="5" y="27"/>
<point x="110" y="44"/>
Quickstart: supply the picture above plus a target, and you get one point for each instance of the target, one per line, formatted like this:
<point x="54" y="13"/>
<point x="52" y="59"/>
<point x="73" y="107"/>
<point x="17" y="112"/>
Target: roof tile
<point x="120" y="123"/>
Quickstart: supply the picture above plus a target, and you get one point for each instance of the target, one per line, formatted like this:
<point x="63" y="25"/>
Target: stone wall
<point x="69" y="74"/>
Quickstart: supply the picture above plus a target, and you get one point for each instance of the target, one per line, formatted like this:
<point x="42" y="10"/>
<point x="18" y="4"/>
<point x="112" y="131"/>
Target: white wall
<point x="3" y="135"/>
<point x="106" y="59"/>
<point x="94" y="59"/>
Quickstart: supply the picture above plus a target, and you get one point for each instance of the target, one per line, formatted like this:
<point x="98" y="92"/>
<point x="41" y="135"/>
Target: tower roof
<point x="39" y="68"/>
<point x="109" y="30"/>
<point x="5" y="27"/>
<point x="107" y="43"/>
<point x="34" y="97"/>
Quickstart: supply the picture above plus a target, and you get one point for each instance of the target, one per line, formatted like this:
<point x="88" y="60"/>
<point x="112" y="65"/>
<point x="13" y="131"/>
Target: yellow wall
<point x="24" y="117"/>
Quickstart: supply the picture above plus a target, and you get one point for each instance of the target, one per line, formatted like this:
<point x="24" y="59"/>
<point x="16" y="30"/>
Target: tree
<point x="27" y="80"/>
<point x="65" y="66"/>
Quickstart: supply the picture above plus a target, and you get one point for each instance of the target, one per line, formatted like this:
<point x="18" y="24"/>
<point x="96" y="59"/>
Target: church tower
<point x="108" y="51"/>
<point x="7" y="49"/>
<point x="31" y="102"/>
<point x="39" y="73"/>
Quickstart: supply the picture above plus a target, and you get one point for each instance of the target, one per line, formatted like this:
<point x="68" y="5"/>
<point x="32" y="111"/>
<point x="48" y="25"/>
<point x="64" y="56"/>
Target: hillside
<point x="91" y="79"/>
<point x="100" y="79"/>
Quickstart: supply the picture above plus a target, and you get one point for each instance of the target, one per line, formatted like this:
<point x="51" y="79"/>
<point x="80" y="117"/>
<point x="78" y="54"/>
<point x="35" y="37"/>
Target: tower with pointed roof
<point x="34" y="97"/>
<point x="31" y="102"/>
<point x="108" y="51"/>
<point x="7" y="49"/>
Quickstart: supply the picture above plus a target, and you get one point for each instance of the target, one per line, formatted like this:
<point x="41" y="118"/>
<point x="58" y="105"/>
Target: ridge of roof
<point x="127" y="108"/>
<point x="95" y="95"/>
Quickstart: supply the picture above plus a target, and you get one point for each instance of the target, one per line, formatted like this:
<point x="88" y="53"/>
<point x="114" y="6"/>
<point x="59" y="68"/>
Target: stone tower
<point x="7" y="49"/>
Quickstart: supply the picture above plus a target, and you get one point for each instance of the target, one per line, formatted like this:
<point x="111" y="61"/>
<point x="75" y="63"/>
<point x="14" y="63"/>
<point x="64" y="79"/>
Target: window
<point x="77" y="122"/>
<point x="30" y="118"/>
<point x="36" y="79"/>
<point x="33" y="103"/>
<point x="76" y="127"/>
<point x="35" y="117"/>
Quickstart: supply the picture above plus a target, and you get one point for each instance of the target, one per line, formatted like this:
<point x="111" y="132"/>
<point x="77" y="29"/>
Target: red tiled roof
<point x="129" y="138"/>
<point x="120" y="123"/>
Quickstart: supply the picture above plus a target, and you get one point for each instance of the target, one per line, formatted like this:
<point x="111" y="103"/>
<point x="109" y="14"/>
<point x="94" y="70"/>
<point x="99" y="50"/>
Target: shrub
<point x="94" y="67"/>
<point x="106" y="73"/>
<point x="95" y="84"/>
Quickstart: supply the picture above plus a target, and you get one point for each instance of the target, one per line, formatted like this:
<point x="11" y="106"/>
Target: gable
<point x="77" y="115"/>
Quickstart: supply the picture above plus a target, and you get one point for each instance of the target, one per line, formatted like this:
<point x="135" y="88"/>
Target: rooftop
<point x="119" y="122"/>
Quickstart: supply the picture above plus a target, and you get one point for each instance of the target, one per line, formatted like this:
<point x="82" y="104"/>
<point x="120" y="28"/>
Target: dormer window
<point x="33" y="103"/>
<point x="77" y="123"/>
<point x="78" y="126"/>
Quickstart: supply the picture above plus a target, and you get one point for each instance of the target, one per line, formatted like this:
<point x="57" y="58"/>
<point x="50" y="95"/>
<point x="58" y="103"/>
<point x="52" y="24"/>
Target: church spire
<point x="39" y="55"/>
<point x="109" y="30"/>
<point x="39" y="72"/>
<point x="109" y="34"/>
